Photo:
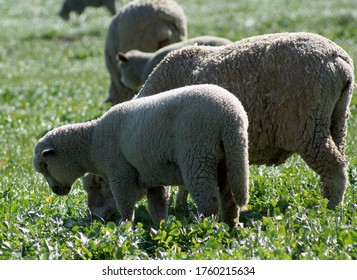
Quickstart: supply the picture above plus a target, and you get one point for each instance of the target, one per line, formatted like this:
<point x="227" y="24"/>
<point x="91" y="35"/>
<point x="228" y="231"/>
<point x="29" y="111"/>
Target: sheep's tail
<point x="341" y="110"/>
<point x="236" y="164"/>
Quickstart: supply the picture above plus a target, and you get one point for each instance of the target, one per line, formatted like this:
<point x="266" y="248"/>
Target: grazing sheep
<point x="144" y="25"/>
<point x="136" y="66"/>
<point x="194" y="136"/>
<point x="101" y="202"/>
<point x="100" y="199"/>
<point x="295" y="87"/>
<point x="78" y="6"/>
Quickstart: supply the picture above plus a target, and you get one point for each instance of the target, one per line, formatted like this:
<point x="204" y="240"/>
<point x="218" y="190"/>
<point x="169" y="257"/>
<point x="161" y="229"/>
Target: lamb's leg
<point x="339" y="118"/>
<point x="158" y="203"/>
<point x="200" y="178"/>
<point x="110" y="4"/>
<point x="327" y="161"/>
<point x="229" y="209"/>
<point x="181" y="198"/>
<point x="125" y="192"/>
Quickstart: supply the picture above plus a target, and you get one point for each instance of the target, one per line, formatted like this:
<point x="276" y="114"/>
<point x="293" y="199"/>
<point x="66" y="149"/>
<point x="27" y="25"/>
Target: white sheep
<point x="194" y="136"/>
<point x="295" y="87"/>
<point x="136" y="66"/>
<point x="145" y="25"/>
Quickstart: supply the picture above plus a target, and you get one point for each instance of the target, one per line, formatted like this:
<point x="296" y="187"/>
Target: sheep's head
<point x="55" y="165"/>
<point x="131" y="65"/>
<point x="100" y="199"/>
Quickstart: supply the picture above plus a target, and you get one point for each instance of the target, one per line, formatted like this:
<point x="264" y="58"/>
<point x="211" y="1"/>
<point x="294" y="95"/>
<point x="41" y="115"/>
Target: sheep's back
<point x="286" y="82"/>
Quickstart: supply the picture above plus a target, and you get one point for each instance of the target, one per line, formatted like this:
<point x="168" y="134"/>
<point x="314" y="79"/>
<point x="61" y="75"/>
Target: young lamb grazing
<point x="101" y="202"/>
<point x="295" y="87"/>
<point x="144" y="25"/>
<point x="100" y="199"/>
<point x="78" y="6"/>
<point x="194" y="136"/>
<point x="136" y="66"/>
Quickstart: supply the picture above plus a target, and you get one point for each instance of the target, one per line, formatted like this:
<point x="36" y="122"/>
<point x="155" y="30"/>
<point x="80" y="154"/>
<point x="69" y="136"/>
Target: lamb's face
<point x="100" y="200"/>
<point x="128" y="66"/>
<point x="55" y="167"/>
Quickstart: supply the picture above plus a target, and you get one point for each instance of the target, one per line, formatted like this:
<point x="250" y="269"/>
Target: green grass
<point x="52" y="73"/>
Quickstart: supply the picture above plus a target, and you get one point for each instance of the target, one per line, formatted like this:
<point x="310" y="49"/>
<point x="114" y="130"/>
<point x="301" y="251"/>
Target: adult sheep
<point x="194" y="136"/>
<point x="295" y="87"/>
<point x="78" y="6"/>
<point x="136" y="66"/>
<point x="143" y="25"/>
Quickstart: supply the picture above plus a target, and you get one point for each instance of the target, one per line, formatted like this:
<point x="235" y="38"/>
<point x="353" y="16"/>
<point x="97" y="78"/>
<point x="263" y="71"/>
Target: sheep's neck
<point x="82" y="147"/>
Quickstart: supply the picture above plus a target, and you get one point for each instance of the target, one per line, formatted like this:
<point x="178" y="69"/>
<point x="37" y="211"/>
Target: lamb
<point x="144" y="25"/>
<point x="101" y="203"/>
<point x="78" y="6"/>
<point x="295" y="87"/>
<point x="100" y="199"/>
<point x="136" y="65"/>
<point x="194" y="136"/>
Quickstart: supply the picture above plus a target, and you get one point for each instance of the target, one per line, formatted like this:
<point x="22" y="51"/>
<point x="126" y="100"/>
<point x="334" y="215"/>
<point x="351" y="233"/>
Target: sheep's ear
<point x="47" y="152"/>
<point x="121" y="57"/>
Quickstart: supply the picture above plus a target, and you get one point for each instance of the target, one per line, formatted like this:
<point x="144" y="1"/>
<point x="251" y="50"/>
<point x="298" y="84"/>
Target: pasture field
<point x="52" y="73"/>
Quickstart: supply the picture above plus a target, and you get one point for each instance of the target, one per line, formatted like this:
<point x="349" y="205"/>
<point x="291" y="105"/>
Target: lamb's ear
<point x="47" y="152"/>
<point x="121" y="57"/>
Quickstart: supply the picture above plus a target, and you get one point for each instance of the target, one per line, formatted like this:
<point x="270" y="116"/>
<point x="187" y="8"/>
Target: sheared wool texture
<point x="295" y="87"/>
<point x="194" y="136"/>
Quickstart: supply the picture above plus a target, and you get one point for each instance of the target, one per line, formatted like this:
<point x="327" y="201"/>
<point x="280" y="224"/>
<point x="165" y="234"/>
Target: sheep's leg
<point x="158" y="203"/>
<point x="339" y="118"/>
<point x="200" y="180"/>
<point x="229" y="209"/>
<point x="125" y="192"/>
<point x="327" y="161"/>
<point x="110" y="4"/>
<point x="181" y="198"/>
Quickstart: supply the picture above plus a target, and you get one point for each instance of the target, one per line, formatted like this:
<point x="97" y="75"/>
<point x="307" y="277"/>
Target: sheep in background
<point x="144" y="25"/>
<point x="295" y="87"/>
<point x="78" y="6"/>
<point x="136" y="66"/>
<point x="194" y="136"/>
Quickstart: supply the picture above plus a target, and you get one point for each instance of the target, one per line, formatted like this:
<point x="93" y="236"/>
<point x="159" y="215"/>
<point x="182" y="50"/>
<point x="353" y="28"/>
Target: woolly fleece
<point x="194" y="136"/>
<point x="295" y="87"/>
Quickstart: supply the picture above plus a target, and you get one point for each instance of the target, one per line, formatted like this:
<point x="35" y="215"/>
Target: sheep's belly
<point x="161" y="175"/>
